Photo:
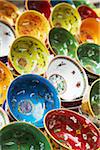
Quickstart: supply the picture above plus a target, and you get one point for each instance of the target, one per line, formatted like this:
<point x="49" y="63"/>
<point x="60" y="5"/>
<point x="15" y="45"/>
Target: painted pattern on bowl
<point x="30" y="97"/>
<point x="4" y="120"/>
<point x="71" y="130"/>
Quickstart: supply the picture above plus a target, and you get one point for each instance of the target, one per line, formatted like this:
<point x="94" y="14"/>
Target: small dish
<point x="21" y="135"/>
<point x="4" y="120"/>
<point x="42" y="6"/>
<point x="32" y="23"/>
<point x="29" y="55"/>
<point x="88" y="56"/>
<point x="71" y="130"/>
<point x="30" y="97"/>
<point x="89" y="30"/>
<point x="66" y="16"/>
<point x="7" y="35"/>
<point x="62" y="42"/>
<point x="5" y="80"/>
<point x="68" y="77"/>
<point x="86" y="12"/>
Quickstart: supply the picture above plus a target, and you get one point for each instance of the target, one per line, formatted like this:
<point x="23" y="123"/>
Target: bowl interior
<point x="67" y="77"/>
<point x="88" y="55"/>
<point x="62" y="42"/>
<point x="29" y="55"/>
<point x="95" y="98"/>
<point x="30" y="97"/>
<point x="24" y="136"/>
<point x="71" y="130"/>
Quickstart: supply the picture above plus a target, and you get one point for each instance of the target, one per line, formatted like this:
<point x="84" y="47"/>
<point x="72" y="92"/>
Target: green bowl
<point x="88" y="55"/>
<point x="23" y="136"/>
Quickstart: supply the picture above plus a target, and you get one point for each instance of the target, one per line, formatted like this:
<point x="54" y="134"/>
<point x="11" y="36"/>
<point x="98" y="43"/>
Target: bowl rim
<point x="32" y="38"/>
<point x="5" y="116"/>
<point x="71" y="111"/>
<point x="29" y="124"/>
<point x="77" y="64"/>
<point x="77" y="58"/>
<point x="34" y="75"/>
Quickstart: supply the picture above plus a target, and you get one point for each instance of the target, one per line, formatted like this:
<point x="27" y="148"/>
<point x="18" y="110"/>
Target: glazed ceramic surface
<point x="71" y="130"/>
<point x="24" y="137"/>
<point x="53" y="3"/>
<point x="62" y="42"/>
<point x="95" y="98"/>
<point x="34" y="24"/>
<point x="8" y="11"/>
<point x="84" y="2"/>
<point x="3" y="118"/>
<point x="88" y="55"/>
<point x="29" y="55"/>
<point x="64" y="15"/>
<point x="5" y="80"/>
<point x="89" y="30"/>
<point x="42" y="6"/>
<point x="68" y="78"/>
<point x="86" y="12"/>
<point x="6" y="35"/>
<point x="30" y="97"/>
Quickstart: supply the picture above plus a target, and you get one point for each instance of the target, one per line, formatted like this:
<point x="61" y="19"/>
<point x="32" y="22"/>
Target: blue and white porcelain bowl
<point x="30" y="97"/>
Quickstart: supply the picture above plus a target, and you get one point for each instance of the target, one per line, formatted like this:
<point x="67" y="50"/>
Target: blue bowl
<point x="30" y="97"/>
<point x="55" y="2"/>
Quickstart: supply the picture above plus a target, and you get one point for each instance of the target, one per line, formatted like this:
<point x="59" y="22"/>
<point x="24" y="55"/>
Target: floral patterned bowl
<point x="89" y="30"/>
<point x="86" y="12"/>
<point x="4" y="120"/>
<point x="29" y="55"/>
<point x="21" y="135"/>
<point x="69" y="79"/>
<point x="42" y="6"/>
<point x="30" y="97"/>
<point x="71" y="130"/>
<point x="62" y="42"/>
<point x="66" y="16"/>
<point x="33" y="23"/>
<point x="88" y="56"/>
<point x="5" y="79"/>
<point x="8" y="35"/>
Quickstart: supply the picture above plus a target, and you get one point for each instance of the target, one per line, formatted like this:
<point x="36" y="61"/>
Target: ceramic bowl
<point x="89" y="30"/>
<point x="88" y="56"/>
<point x="4" y="120"/>
<point x="8" y="35"/>
<point x="42" y="6"/>
<point x="84" y="2"/>
<point x="30" y="97"/>
<point x="68" y="77"/>
<point x="86" y="12"/>
<point x="24" y="136"/>
<point x="53" y="3"/>
<point x="71" y="130"/>
<point x="97" y="10"/>
<point x="62" y="42"/>
<point x="66" y="16"/>
<point x="8" y="11"/>
<point x="33" y="23"/>
<point x="5" y="80"/>
<point x="29" y="55"/>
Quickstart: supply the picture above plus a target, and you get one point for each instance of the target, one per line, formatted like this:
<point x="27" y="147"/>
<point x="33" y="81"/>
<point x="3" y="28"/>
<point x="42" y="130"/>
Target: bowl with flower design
<point x="71" y="130"/>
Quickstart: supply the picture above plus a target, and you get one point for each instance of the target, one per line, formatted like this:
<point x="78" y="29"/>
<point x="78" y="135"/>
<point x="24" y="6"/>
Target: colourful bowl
<point x="7" y="35"/>
<point x="68" y="77"/>
<point x="8" y="11"/>
<point x="62" y="42"/>
<point x="33" y="23"/>
<point x="42" y="6"/>
<point x="66" y="16"/>
<point x="30" y="97"/>
<point x="71" y="130"/>
<point x="4" y="120"/>
<point x="88" y="56"/>
<point x="84" y="2"/>
<point x="86" y="12"/>
<point x="53" y="3"/>
<point x="5" y="80"/>
<point x="89" y="30"/>
<point x="29" y="55"/>
<point x="21" y="135"/>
